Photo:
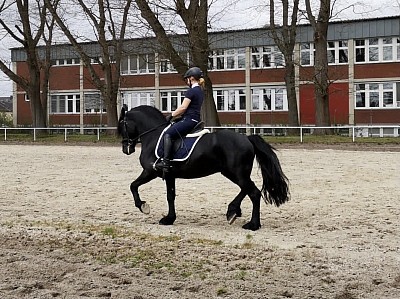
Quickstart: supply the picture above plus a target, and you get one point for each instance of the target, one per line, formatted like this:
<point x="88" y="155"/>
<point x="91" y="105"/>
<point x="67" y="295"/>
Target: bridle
<point x="131" y="141"/>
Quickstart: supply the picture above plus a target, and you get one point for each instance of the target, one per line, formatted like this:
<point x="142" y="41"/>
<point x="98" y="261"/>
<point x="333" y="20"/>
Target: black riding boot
<point x="166" y="162"/>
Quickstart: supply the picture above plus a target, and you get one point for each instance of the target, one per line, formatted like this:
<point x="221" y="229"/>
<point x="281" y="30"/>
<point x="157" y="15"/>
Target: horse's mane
<point x="149" y="110"/>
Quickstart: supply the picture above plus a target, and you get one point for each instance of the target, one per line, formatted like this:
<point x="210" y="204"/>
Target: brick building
<point x="247" y="70"/>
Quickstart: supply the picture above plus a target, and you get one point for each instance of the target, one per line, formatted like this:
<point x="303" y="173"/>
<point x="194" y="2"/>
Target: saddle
<point x="182" y="148"/>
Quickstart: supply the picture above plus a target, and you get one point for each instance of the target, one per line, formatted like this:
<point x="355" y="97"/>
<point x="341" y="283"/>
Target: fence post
<point x="98" y="134"/>
<point x="34" y="134"/>
<point x="301" y="134"/>
<point x="5" y="134"/>
<point x="65" y="135"/>
<point x="353" y="133"/>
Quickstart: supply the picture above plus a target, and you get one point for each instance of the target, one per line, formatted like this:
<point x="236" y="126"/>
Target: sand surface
<point x="69" y="229"/>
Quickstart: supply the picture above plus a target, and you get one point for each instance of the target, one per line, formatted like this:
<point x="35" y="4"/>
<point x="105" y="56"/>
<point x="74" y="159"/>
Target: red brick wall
<point x="267" y="75"/>
<point x="137" y="81"/>
<point x="376" y="70"/>
<point x="227" y="77"/>
<point x="338" y="104"/>
<point x="381" y="116"/>
<point x="24" y="116"/>
<point x="64" y="77"/>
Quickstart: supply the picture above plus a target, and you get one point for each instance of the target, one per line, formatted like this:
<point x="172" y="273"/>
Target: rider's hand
<point x="169" y="118"/>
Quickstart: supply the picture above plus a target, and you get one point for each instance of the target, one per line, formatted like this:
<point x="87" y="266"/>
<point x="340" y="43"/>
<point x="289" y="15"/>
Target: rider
<point x="189" y="111"/>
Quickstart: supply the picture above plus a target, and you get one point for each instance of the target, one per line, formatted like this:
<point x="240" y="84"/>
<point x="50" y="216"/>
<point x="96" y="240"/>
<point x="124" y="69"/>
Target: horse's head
<point x="127" y="129"/>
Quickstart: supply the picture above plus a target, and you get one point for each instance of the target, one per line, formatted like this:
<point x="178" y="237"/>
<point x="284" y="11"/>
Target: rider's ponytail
<point x="202" y="83"/>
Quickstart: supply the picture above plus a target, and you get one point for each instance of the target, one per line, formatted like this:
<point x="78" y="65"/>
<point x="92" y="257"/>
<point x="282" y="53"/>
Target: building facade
<point x="247" y="71"/>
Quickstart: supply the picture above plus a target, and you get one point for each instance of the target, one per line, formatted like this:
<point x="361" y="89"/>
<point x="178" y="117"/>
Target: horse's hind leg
<point x="234" y="209"/>
<point x="255" y="196"/>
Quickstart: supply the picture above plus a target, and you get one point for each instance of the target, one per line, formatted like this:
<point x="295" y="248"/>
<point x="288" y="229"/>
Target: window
<point x="69" y="103"/>
<point x="170" y="100"/>
<point x="338" y="52"/>
<point x="398" y="48"/>
<point x="135" y="99"/>
<point x="360" y="50"/>
<point x="377" y="49"/>
<point x="269" y="99"/>
<point x="68" y="61"/>
<point x="266" y="57"/>
<point x="230" y="99"/>
<point x="307" y="54"/>
<point x="387" y="49"/>
<point x="377" y="95"/>
<point x="166" y="65"/>
<point x="229" y="59"/>
<point x="138" y="64"/>
<point x="93" y="103"/>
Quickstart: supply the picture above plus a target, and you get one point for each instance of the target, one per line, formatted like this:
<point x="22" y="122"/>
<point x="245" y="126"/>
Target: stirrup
<point x="161" y="164"/>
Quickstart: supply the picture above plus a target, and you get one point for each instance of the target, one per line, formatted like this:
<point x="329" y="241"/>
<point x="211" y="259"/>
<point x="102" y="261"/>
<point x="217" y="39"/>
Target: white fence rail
<point x="350" y="131"/>
<point x="66" y="131"/>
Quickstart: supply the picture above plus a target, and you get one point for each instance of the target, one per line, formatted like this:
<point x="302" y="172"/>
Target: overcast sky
<point x="246" y="14"/>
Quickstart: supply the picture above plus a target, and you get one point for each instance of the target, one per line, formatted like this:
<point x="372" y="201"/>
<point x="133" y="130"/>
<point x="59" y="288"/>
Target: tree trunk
<point x="291" y="97"/>
<point x="38" y="114"/>
<point x="209" y="111"/>
<point x="321" y="80"/>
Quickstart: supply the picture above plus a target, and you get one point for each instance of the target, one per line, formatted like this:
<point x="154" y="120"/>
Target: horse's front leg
<point x="171" y="216"/>
<point x="234" y="209"/>
<point x="145" y="177"/>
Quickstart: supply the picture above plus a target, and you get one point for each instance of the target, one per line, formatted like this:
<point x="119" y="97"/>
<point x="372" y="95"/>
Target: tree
<point x="109" y="21"/>
<point x="285" y="39"/>
<point x="32" y="27"/>
<point x="321" y="79"/>
<point x="194" y="14"/>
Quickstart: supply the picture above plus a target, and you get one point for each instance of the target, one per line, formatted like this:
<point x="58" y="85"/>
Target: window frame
<point x="65" y="103"/>
<point x="363" y="91"/>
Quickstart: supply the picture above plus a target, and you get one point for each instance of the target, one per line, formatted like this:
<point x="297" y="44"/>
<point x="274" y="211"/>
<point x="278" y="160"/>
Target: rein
<point x="132" y="140"/>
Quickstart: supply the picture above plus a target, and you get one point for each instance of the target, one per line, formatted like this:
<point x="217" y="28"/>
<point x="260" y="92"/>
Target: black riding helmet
<point x="195" y="72"/>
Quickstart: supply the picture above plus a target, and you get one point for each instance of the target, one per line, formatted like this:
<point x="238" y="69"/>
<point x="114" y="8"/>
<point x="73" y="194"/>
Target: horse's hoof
<point x="145" y="208"/>
<point x="166" y="221"/>
<point x="231" y="218"/>
<point x="251" y="226"/>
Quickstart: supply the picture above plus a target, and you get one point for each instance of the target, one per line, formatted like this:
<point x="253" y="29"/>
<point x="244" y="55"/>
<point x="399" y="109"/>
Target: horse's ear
<point x="124" y="109"/>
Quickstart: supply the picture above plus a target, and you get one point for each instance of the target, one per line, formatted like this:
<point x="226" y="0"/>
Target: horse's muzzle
<point x="128" y="148"/>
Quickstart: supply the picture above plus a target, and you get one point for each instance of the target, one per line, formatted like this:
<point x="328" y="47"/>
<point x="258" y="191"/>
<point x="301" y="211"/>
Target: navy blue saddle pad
<point x="182" y="148"/>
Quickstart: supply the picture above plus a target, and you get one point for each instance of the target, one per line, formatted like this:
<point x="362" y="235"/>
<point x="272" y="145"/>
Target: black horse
<point x="232" y="154"/>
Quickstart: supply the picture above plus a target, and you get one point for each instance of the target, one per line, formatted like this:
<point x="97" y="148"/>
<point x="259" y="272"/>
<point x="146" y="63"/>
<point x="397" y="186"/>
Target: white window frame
<point x="134" y="64"/>
<point x="138" y="98"/>
<point x="166" y="65"/>
<point x="100" y="107"/>
<point x="380" y="90"/>
<point x="339" y="47"/>
<point x="218" y="59"/>
<point x="74" y="99"/>
<point x="275" y="57"/>
<point x="66" y="62"/>
<point x="231" y="99"/>
<point x="257" y="97"/>
<point x="379" y="46"/>
<point x="307" y="52"/>
<point x="168" y="96"/>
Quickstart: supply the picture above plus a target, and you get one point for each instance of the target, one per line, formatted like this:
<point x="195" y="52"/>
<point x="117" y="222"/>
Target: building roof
<point x="6" y="104"/>
<point x="338" y="30"/>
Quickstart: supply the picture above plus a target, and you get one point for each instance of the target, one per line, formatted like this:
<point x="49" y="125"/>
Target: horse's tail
<point x="275" y="187"/>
